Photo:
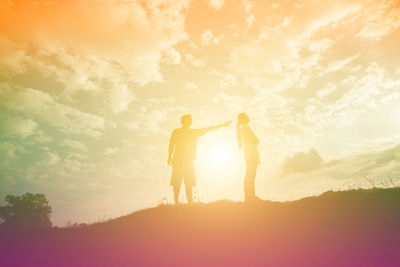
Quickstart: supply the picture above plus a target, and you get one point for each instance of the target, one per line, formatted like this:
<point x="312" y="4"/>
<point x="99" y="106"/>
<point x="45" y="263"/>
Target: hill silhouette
<point x="350" y="228"/>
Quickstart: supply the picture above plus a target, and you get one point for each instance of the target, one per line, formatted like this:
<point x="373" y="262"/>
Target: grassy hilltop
<point x="351" y="228"/>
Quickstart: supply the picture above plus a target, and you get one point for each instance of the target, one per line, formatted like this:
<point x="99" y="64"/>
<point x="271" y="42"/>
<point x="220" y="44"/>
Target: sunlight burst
<point x="219" y="155"/>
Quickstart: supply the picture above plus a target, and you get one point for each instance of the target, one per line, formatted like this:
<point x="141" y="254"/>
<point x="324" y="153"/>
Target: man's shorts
<point x="183" y="169"/>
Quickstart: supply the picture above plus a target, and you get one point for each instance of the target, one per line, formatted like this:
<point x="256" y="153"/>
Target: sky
<point x="90" y="92"/>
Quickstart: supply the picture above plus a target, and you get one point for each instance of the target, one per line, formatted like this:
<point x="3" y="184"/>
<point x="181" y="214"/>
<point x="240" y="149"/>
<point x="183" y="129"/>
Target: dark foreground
<point x="354" y="228"/>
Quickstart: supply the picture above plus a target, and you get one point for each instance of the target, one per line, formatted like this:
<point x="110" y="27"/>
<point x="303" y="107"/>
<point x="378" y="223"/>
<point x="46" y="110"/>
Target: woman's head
<point x="243" y="119"/>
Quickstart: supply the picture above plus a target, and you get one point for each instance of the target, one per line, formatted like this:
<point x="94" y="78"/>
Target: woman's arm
<point x="251" y="136"/>
<point x="255" y="138"/>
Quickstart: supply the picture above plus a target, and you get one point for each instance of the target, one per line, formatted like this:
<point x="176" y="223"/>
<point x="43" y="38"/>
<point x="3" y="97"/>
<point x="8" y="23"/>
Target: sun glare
<point x="216" y="154"/>
<point x="219" y="168"/>
<point x="219" y="156"/>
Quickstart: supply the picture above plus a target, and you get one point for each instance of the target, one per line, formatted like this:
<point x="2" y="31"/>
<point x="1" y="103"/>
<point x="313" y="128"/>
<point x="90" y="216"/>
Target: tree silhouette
<point x="28" y="210"/>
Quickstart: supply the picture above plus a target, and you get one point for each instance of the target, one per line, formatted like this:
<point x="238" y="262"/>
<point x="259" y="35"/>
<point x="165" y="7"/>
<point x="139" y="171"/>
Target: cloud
<point x="107" y="45"/>
<point x="381" y="18"/>
<point x="49" y="159"/>
<point x="286" y="21"/>
<point x="320" y="45"/>
<point x="151" y="122"/>
<point x="208" y="38"/>
<point x="376" y="165"/>
<point x="81" y="73"/>
<point x="250" y="17"/>
<point x="303" y="162"/>
<point x="225" y="79"/>
<point x="120" y="96"/>
<point x="8" y="150"/>
<point x="248" y="5"/>
<point x="17" y="127"/>
<point x="250" y="20"/>
<point x="111" y="150"/>
<point x="216" y="4"/>
<point x="108" y="28"/>
<point x="173" y="57"/>
<point x="193" y="87"/>
<point x="74" y="145"/>
<point x="12" y="57"/>
<point x="337" y="65"/>
<point x="197" y="62"/>
<point x="41" y="106"/>
<point x="390" y="97"/>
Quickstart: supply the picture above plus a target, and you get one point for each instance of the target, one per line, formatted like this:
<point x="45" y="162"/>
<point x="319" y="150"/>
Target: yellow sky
<point x="91" y="90"/>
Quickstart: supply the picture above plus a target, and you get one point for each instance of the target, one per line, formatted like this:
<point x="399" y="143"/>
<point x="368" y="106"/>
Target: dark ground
<point x="353" y="228"/>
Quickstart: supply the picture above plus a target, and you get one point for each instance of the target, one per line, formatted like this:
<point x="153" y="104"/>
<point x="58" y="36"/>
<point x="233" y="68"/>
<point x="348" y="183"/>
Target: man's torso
<point x="185" y="143"/>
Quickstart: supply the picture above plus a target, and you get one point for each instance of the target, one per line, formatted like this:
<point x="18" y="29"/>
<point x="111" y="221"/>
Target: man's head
<point x="186" y="120"/>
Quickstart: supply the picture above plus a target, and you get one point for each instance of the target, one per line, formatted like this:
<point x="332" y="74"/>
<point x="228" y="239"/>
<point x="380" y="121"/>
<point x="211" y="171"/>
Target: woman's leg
<point x="249" y="180"/>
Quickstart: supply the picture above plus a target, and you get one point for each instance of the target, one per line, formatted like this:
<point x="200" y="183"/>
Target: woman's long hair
<point x="242" y="120"/>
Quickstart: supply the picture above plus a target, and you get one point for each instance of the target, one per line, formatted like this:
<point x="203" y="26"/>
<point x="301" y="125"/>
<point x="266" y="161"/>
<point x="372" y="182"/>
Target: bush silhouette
<point x="28" y="210"/>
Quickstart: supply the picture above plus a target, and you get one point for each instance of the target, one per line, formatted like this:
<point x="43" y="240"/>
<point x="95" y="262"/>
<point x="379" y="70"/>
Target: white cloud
<point x="197" y="62"/>
<point x="337" y="65"/>
<point x="12" y="57"/>
<point x="225" y="79"/>
<point x="173" y="57"/>
<point x="48" y="159"/>
<point x="120" y="97"/>
<point x="192" y="86"/>
<point x="250" y="20"/>
<point x="107" y="46"/>
<point x="332" y="18"/>
<point x="111" y="150"/>
<point x="14" y="126"/>
<point x="286" y="21"/>
<point x="390" y="97"/>
<point x="75" y="145"/>
<point x="303" y="162"/>
<point x="7" y="149"/>
<point x="320" y="45"/>
<point x="381" y="18"/>
<point x="248" y="5"/>
<point x="208" y="38"/>
<point x="158" y="28"/>
<point x="329" y="88"/>
<point x="151" y="120"/>
<point x="27" y="128"/>
<point x="44" y="107"/>
<point x="216" y="4"/>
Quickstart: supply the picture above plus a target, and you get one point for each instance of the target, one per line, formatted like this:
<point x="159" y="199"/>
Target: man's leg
<point x="189" y="179"/>
<point x="189" y="193"/>
<point x="177" y="189"/>
<point x="176" y="179"/>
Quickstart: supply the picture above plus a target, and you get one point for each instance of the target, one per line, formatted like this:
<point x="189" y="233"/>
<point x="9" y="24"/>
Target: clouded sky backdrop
<point x="91" y="90"/>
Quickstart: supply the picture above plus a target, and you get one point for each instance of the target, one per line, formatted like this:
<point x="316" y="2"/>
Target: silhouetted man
<point x="182" y="153"/>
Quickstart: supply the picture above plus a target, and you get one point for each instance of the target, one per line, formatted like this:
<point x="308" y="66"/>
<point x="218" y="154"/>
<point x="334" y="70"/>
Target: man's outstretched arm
<point x="214" y="127"/>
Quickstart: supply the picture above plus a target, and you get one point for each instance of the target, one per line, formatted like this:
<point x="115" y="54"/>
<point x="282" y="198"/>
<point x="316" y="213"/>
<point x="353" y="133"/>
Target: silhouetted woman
<point x="249" y="141"/>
